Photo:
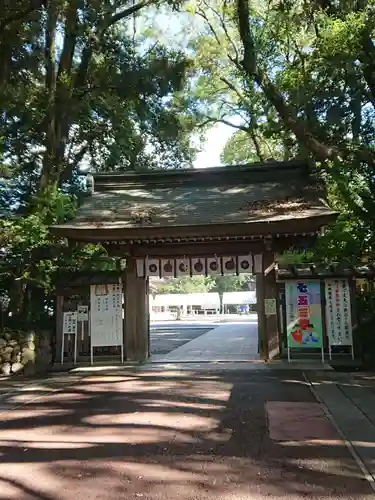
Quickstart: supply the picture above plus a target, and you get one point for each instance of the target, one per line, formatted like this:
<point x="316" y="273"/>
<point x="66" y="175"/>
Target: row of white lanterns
<point x="207" y="266"/>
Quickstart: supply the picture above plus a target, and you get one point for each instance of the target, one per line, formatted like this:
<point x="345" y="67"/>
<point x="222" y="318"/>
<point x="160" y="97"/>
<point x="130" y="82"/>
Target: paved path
<point x="351" y="401"/>
<point x="167" y="336"/>
<point x="188" y="435"/>
<point x="236" y="341"/>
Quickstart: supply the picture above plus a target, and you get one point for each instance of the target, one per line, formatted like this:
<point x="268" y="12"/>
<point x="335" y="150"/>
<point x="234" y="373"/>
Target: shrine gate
<point x="211" y="221"/>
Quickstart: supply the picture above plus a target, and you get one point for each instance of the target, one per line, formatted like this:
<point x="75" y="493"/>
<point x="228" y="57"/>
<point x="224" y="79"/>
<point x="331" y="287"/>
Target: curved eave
<point x="259" y="229"/>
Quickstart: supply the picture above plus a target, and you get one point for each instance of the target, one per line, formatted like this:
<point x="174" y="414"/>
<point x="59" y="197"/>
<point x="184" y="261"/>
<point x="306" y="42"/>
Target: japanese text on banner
<point x="304" y="314"/>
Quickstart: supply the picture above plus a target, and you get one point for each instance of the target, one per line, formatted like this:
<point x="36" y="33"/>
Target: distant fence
<point x="205" y="300"/>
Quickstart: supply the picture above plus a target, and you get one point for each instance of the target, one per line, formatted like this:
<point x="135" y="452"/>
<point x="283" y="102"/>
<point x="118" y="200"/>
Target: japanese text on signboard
<point x="304" y="314"/>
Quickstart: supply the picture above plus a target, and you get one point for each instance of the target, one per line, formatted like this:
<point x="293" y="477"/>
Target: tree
<point x="195" y="284"/>
<point x="239" y="149"/>
<point x="31" y="259"/>
<point x="78" y="89"/>
<point x="230" y="283"/>
<point x="221" y="94"/>
<point x="296" y="79"/>
<point x="328" y="27"/>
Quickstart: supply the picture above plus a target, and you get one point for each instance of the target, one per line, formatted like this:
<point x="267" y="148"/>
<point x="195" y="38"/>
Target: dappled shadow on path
<point x="166" y="435"/>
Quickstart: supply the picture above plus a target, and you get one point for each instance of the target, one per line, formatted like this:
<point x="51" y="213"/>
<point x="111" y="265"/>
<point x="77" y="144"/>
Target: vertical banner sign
<point x="338" y="313"/>
<point x="117" y="309"/>
<point x="70" y="323"/>
<point x="83" y="313"/>
<point x="69" y="328"/>
<point x="304" y="315"/>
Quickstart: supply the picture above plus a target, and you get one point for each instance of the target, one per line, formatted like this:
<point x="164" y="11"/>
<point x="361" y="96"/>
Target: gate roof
<point x="258" y="199"/>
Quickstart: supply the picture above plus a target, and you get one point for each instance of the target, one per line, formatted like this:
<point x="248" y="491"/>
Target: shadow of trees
<point x="191" y="434"/>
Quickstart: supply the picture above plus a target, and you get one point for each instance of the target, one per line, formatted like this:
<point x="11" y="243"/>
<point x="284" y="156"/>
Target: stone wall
<point x="24" y="352"/>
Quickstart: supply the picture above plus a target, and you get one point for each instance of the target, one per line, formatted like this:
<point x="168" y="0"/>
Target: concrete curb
<point x="362" y="466"/>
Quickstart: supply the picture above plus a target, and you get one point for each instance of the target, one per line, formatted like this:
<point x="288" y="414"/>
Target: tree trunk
<point x="63" y="98"/>
<point x="5" y="64"/>
<point x="367" y="58"/>
<point x="221" y="299"/>
<point x="49" y="160"/>
<point x="288" y="115"/>
<point x="285" y="110"/>
<point x="256" y="145"/>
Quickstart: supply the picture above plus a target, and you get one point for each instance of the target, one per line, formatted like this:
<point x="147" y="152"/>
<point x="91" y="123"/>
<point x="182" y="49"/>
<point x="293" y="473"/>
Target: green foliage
<point x="240" y="149"/>
<point x="82" y="85"/>
<point x="196" y="284"/>
<point x="202" y="284"/>
<point x="70" y="99"/>
<point x="232" y="283"/>
<point x="78" y="87"/>
<point x="296" y="79"/>
<point x="31" y="259"/>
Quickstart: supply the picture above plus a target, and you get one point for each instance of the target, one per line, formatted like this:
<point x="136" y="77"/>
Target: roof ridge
<point x="201" y="172"/>
<point x="254" y="173"/>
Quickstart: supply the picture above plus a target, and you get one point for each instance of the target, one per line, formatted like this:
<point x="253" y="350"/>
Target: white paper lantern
<point x="153" y="267"/>
<point x="229" y="265"/>
<point x="182" y="267"/>
<point x="245" y="264"/>
<point x="167" y="268"/>
<point x="213" y="266"/>
<point x="198" y="266"/>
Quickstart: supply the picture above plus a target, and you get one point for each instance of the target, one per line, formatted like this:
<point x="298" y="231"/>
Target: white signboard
<point x="70" y="323"/>
<point x="270" y="307"/>
<point x="83" y="313"/>
<point x="106" y="316"/>
<point x="69" y="328"/>
<point x="338" y="313"/>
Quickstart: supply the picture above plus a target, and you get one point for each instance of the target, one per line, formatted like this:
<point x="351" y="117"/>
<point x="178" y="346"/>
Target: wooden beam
<point x="258" y="228"/>
<point x="201" y="248"/>
<point x="270" y="268"/>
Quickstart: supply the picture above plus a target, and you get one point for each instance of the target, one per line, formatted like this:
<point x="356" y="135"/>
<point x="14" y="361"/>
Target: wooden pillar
<point x="268" y="328"/>
<point x="263" y="352"/>
<point x="147" y="317"/>
<point x="59" y="327"/>
<point x="135" y="314"/>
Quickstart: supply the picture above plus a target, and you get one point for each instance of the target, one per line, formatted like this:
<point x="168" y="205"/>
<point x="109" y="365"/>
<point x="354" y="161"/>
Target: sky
<point x="174" y="34"/>
<point x="216" y="139"/>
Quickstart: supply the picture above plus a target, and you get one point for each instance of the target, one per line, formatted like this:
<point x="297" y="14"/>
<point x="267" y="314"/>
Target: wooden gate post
<point x="135" y="313"/>
<point x="268" y="328"/>
<point x="263" y="351"/>
<point x="59" y="327"/>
